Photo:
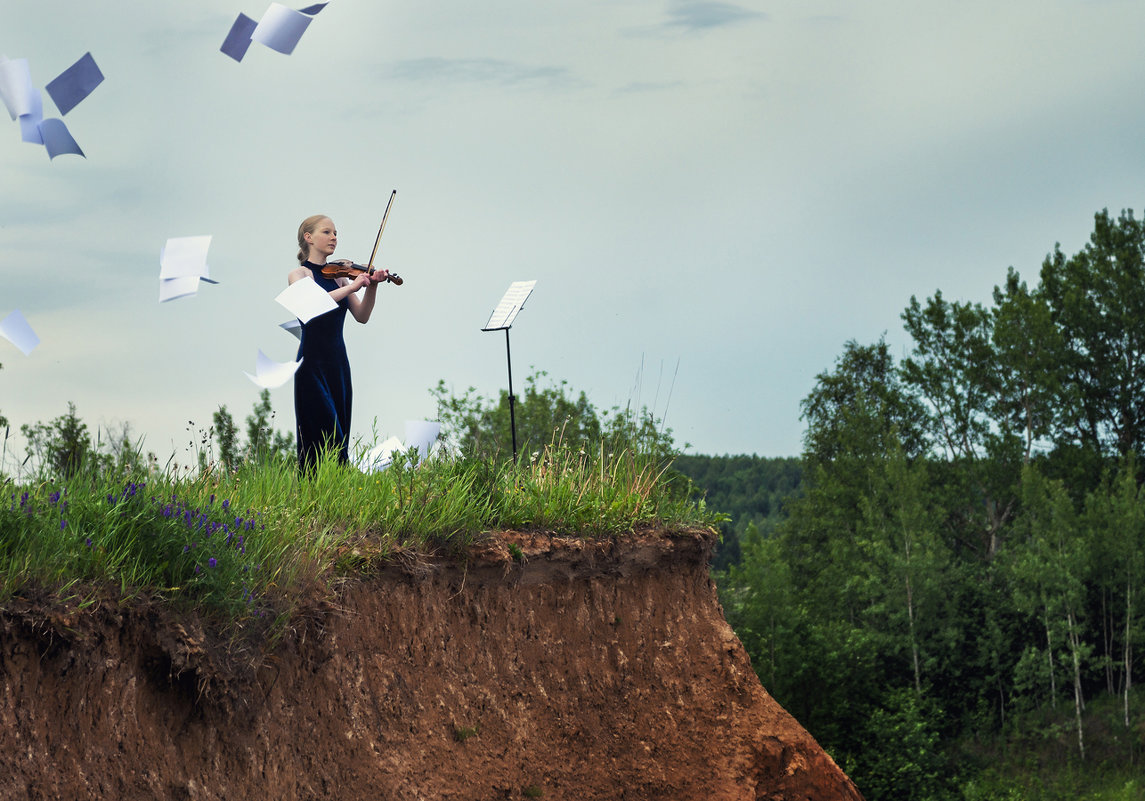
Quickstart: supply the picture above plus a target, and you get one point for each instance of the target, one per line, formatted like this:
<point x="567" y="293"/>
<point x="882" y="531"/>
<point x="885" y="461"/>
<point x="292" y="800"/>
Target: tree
<point x="1027" y="348"/>
<point x="263" y="443"/>
<point x="224" y="432"/>
<point x="1048" y="565"/>
<point x="544" y="415"/>
<point x="853" y="413"/>
<point x="950" y="369"/>
<point x="1096" y="300"/>
<point x="760" y="603"/>
<point x="954" y="371"/>
<point x="64" y="448"/>
<point x="63" y="445"/>
<point x="1115" y="517"/>
<point x="903" y="558"/>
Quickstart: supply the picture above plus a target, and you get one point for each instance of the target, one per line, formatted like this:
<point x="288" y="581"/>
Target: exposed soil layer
<point x="579" y="670"/>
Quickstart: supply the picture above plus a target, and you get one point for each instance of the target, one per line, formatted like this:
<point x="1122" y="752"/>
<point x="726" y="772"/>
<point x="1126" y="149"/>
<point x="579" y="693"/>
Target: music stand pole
<point x="512" y="399"/>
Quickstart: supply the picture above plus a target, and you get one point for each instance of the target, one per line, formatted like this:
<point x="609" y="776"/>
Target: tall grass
<point x="243" y="543"/>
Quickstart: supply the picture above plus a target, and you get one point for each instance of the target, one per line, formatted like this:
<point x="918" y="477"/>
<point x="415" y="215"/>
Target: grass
<point x="243" y="544"/>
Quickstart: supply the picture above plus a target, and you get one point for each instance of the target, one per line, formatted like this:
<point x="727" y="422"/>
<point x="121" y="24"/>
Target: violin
<point x="345" y="268"/>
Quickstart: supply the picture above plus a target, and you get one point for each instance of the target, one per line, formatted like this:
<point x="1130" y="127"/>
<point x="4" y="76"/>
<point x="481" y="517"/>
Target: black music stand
<point x="502" y="319"/>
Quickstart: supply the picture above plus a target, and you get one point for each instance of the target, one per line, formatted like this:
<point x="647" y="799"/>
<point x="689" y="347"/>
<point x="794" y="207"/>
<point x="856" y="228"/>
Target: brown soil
<point x="586" y="670"/>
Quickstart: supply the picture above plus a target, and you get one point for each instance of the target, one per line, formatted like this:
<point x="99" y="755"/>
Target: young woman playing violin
<point x="322" y="388"/>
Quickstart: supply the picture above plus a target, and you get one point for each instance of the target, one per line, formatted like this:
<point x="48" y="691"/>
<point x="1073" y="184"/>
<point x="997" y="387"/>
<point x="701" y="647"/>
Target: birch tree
<point x="1048" y="567"/>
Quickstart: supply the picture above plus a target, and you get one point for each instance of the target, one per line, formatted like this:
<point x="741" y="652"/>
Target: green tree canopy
<point x="546" y="414"/>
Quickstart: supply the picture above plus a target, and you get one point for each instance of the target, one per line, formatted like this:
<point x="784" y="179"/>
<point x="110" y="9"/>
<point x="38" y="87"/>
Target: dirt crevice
<point x="572" y="668"/>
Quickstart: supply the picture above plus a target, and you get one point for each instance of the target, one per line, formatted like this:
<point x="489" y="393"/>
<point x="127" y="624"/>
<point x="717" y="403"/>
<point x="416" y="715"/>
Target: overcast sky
<point x="712" y="197"/>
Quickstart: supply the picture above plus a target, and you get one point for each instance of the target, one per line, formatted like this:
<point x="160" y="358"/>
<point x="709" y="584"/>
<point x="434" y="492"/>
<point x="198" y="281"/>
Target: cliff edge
<point x="536" y="667"/>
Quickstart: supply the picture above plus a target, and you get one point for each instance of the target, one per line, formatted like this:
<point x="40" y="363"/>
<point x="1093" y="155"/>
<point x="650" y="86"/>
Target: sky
<point x="713" y="197"/>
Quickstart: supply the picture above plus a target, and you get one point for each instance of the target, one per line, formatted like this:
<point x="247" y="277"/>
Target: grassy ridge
<point x="240" y="543"/>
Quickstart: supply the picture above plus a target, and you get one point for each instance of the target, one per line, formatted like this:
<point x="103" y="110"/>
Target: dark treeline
<point x="750" y="490"/>
<point x="952" y="603"/>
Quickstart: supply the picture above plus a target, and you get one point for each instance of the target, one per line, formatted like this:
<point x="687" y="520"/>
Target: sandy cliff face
<point x="589" y="670"/>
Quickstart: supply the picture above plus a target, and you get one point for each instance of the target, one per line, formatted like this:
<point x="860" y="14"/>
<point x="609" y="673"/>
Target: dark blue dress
<point x="322" y="390"/>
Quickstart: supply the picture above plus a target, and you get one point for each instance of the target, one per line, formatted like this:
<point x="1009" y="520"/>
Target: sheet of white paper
<point x="238" y="38"/>
<point x="421" y="434"/>
<point x="57" y="139"/>
<point x="16" y="86"/>
<point x="74" y="84"/>
<point x="293" y="326"/>
<point x="306" y="300"/>
<point x="380" y="456"/>
<point x="30" y="122"/>
<point x="172" y="288"/>
<point x="183" y="256"/>
<point x="16" y="330"/>
<point x="280" y="28"/>
<point x="269" y="374"/>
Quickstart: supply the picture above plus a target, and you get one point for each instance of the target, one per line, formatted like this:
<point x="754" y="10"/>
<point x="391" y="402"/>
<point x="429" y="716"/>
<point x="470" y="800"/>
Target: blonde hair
<point x="309" y="226"/>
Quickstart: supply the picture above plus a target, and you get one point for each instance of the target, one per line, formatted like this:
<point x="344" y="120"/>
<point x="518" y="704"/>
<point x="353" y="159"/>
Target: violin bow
<point x="381" y="228"/>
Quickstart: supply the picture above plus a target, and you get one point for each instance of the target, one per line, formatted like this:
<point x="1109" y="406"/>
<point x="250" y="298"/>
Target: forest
<point x="950" y="599"/>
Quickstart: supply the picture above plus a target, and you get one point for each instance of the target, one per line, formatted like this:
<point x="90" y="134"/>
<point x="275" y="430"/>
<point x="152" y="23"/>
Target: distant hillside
<point x="751" y="489"/>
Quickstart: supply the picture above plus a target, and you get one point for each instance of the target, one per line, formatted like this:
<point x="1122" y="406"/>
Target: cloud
<point x="701" y="16"/>
<point x="641" y="87"/>
<point x="488" y="71"/>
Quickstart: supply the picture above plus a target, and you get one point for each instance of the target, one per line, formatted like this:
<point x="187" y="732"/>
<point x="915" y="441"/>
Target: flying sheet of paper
<point x="183" y="256"/>
<point x="182" y="265"/>
<point x="280" y="28"/>
<point x="16" y="86"/>
<point x="306" y="300"/>
<point x="238" y="38"/>
<point x="172" y="288"/>
<point x="421" y="434"/>
<point x="380" y="456"/>
<point x="57" y="139"/>
<point x="16" y="330"/>
<point x="75" y="83"/>
<point x="269" y="374"/>
<point x="293" y="326"/>
<point x="30" y="122"/>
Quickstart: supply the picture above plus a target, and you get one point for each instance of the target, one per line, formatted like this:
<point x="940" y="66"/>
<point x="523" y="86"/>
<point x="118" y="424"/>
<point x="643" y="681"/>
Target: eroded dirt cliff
<point x="584" y="670"/>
